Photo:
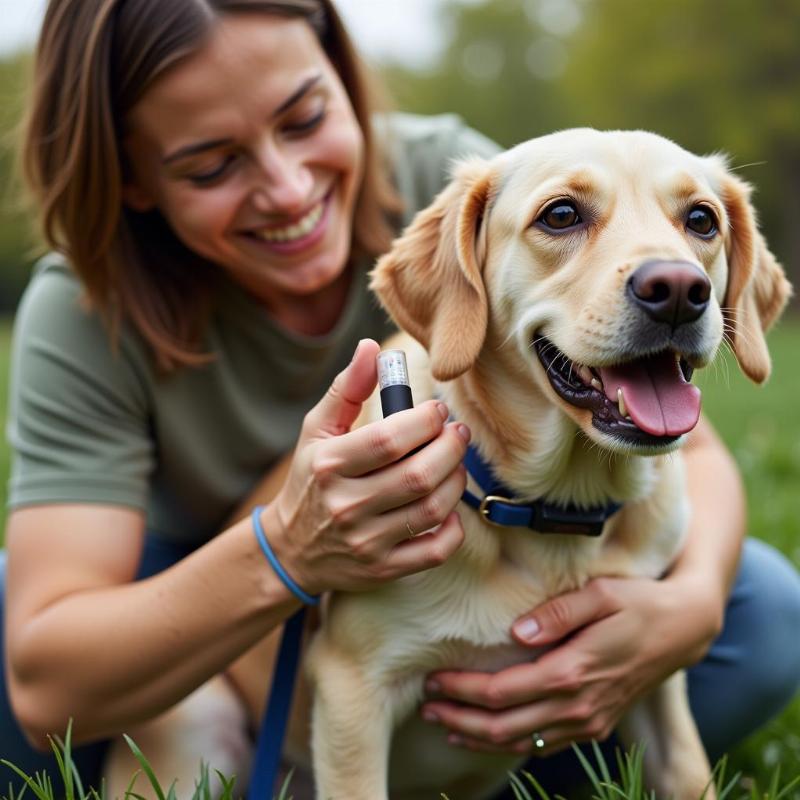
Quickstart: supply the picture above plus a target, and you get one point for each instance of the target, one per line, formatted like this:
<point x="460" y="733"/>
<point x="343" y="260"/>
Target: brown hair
<point x="95" y="59"/>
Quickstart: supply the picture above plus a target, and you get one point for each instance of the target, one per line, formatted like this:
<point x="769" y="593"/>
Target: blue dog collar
<point x="499" y="507"/>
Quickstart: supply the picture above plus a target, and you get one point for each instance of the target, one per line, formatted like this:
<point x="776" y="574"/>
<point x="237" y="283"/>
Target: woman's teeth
<point x="298" y="230"/>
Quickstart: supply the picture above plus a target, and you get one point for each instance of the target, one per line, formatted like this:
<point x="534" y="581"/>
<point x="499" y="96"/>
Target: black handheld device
<point x="395" y="389"/>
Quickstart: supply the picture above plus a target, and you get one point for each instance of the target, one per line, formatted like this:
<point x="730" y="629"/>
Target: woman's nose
<point x="282" y="184"/>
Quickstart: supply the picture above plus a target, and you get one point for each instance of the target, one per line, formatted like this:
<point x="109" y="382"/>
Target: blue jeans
<point x="750" y="673"/>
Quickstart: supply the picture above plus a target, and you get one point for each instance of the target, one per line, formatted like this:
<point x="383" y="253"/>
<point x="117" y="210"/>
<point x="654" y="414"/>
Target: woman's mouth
<point x="301" y="233"/>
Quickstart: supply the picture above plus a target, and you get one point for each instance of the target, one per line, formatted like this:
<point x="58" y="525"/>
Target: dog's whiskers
<point x="745" y="166"/>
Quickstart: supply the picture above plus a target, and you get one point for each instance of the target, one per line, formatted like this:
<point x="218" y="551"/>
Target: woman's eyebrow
<point x="199" y="147"/>
<point x="302" y="90"/>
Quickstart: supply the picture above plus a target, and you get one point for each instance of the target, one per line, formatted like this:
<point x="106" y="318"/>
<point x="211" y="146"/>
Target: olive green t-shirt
<point x="90" y="424"/>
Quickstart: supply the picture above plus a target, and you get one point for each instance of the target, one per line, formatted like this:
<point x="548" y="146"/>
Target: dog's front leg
<point x="675" y="763"/>
<point x="352" y="722"/>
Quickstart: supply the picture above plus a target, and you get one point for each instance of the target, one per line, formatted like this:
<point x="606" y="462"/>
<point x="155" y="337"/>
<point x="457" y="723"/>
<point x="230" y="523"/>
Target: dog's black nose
<point x="675" y="292"/>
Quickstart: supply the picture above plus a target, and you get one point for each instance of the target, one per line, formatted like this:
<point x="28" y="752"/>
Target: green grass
<point x="761" y="425"/>
<point x="600" y="784"/>
<point x="42" y="787"/>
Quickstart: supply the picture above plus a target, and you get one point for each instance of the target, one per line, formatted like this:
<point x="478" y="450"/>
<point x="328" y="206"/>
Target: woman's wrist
<point x="274" y="596"/>
<point x="288" y="581"/>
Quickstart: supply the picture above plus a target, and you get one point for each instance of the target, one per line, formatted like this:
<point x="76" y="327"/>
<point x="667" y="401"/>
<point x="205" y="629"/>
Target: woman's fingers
<point x="386" y="441"/>
<point x="335" y="413"/>
<point x="546" y="742"/>
<point x="422" y="516"/>
<point x="513" y="686"/>
<point x="542" y="728"/>
<point x="410" y="478"/>
<point x="560" y="616"/>
<point x="500" y="729"/>
<point x="425" y="551"/>
<point x="418" y="475"/>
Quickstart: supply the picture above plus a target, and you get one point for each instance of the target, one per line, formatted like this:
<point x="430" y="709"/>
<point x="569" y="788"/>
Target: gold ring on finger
<point x="410" y="530"/>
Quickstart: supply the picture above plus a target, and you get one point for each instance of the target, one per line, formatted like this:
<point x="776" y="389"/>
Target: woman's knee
<point x="770" y="618"/>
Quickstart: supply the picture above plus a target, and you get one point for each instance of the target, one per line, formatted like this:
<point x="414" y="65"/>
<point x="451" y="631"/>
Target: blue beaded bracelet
<point x="308" y="599"/>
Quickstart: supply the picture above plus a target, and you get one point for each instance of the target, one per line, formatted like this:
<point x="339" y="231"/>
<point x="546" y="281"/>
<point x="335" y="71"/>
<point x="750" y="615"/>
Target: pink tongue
<point x="657" y="397"/>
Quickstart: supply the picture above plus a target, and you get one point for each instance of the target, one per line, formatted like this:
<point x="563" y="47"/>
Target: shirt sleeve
<point x="78" y="420"/>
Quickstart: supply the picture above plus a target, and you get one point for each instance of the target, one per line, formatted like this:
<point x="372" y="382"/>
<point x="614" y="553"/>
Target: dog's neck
<point x="532" y="446"/>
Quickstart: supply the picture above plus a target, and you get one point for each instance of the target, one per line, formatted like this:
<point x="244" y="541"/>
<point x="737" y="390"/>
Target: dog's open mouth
<point x="646" y="401"/>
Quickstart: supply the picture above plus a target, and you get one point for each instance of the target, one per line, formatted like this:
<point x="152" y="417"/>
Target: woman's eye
<point x="702" y="221"/>
<point x="560" y="215"/>
<point x="306" y="125"/>
<point x="211" y="175"/>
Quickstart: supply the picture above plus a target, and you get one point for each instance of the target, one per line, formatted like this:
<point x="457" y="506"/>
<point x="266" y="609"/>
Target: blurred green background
<point x="714" y="75"/>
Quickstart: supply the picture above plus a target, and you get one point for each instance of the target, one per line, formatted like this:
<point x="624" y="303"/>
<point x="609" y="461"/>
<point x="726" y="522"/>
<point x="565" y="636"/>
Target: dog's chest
<point x="462" y="612"/>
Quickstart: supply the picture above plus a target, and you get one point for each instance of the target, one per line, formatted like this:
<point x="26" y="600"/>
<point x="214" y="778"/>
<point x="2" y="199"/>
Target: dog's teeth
<point x="584" y="373"/>
<point x="621" y="402"/>
<point x="596" y="384"/>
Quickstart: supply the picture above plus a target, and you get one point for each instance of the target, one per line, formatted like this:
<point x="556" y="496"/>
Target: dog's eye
<point x="560" y="215"/>
<point x="702" y="221"/>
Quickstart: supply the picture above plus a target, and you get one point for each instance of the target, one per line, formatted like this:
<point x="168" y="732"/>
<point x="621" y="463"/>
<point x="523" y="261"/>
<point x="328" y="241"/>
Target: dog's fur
<point x="475" y="280"/>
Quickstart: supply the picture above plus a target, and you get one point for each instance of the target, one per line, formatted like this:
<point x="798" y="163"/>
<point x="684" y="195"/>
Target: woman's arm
<point x="85" y="642"/>
<point x="628" y="634"/>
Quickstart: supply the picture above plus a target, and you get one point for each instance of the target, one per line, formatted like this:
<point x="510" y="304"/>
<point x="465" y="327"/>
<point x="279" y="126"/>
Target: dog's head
<point x="614" y="263"/>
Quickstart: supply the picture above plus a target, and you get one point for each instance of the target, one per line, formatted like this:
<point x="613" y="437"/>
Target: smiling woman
<point x="198" y="134"/>
<point x="261" y="180"/>
<point x="214" y="195"/>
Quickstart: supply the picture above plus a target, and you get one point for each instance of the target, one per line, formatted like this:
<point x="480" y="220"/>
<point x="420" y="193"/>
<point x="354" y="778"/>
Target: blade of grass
<point x="227" y="785"/>
<point x="285" y="786"/>
<point x="601" y="762"/>
<point x="718" y="776"/>
<point x="536" y="785"/>
<point x="37" y="784"/>
<point x="589" y="770"/>
<point x="66" y="775"/>
<point x="517" y="787"/>
<point x="148" y="770"/>
<point x="788" y="788"/>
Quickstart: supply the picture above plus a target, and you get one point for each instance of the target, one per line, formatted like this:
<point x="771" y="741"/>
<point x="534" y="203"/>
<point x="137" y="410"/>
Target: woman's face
<point x="251" y="151"/>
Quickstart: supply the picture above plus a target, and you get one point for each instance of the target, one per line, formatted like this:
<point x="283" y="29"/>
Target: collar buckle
<point x="485" y="510"/>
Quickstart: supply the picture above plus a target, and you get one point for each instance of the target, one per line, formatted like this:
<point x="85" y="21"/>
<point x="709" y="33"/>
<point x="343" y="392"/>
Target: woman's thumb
<point x="340" y="406"/>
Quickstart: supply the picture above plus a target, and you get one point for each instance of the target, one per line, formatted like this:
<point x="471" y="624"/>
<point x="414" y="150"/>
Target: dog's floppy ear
<point x="757" y="288"/>
<point x="431" y="280"/>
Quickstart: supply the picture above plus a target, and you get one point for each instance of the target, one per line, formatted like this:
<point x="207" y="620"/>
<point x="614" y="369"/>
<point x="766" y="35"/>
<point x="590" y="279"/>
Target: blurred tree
<point x="710" y="75"/>
<point x="489" y="72"/>
<point x="16" y="230"/>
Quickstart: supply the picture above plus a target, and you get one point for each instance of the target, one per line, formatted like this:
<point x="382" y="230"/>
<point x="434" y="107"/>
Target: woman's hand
<point x="625" y="635"/>
<point x="351" y="510"/>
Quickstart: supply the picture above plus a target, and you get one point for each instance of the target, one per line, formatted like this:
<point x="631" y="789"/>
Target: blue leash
<point x="267" y="757"/>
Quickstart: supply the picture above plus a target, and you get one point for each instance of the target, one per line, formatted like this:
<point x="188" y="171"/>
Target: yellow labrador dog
<point x="558" y="298"/>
